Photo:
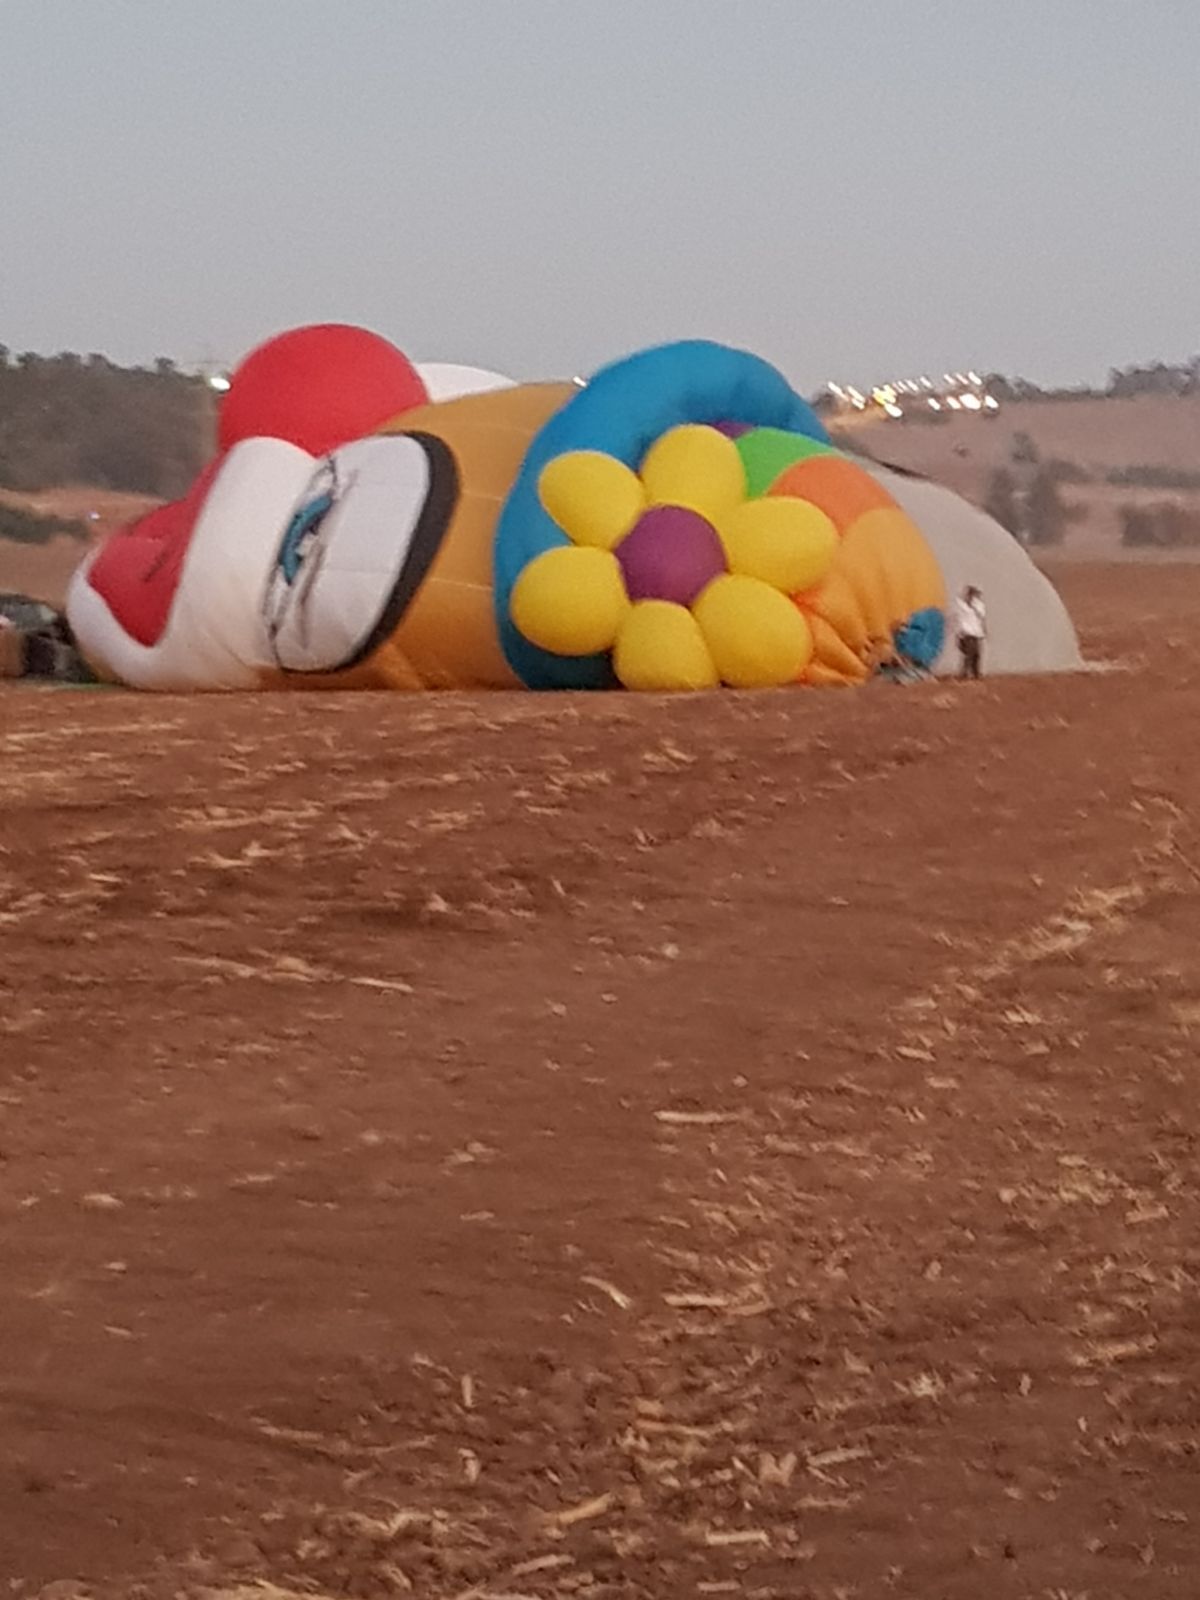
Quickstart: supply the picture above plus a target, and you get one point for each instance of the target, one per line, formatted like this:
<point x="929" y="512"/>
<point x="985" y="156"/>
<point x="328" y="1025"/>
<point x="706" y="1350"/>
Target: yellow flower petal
<point x="757" y="637"/>
<point x="660" y="650"/>
<point x="570" y="601"/>
<point x="594" y="498"/>
<point x="697" y="467"/>
<point x="789" y="544"/>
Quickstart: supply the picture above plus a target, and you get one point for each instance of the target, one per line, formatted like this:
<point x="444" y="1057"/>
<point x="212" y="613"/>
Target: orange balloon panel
<point x="832" y="652"/>
<point x="843" y="491"/>
<point x="822" y="677"/>
<point x="883" y="572"/>
<point x="877" y="580"/>
<point x="894" y="541"/>
<point x="448" y="634"/>
<point x="869" y="580"/>
<point x="837" y="601"/>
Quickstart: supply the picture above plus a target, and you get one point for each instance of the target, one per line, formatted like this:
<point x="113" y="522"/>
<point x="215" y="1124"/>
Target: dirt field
<point x="44" y="570"/>
<point x="544" y="1147"/>
<point x="41" y="570"/>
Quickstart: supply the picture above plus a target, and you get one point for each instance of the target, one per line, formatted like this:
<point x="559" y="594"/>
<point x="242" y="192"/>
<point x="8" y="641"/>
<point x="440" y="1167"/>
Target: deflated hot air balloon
<point x="681" y="522"/>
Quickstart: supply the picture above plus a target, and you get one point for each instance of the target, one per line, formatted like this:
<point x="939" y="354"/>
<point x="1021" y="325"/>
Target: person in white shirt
<point x="971" y="622"/>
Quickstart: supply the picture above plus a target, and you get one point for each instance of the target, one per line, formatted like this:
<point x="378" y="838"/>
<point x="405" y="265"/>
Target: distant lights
<point x="219" y="382"/>
<point x="958" y="391"/>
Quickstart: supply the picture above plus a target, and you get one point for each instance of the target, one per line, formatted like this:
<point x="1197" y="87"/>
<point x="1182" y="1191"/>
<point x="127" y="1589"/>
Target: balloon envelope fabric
<point x="680" y="522"/>
<point x="624" y="409"/>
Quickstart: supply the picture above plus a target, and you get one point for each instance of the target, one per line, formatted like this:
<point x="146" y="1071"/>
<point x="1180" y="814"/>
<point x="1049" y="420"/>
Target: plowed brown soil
<point x="541" y="1147"/>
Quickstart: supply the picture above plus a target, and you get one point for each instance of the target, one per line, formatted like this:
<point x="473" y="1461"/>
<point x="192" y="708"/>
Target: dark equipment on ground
<point x="36" y="642"/>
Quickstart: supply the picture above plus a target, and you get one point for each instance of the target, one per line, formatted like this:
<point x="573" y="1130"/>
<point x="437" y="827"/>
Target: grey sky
<point x="856" y="188"/>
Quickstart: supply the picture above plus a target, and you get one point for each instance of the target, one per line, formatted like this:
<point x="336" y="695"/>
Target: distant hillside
<point x="82" y="419"/>
<point x="42" y="571"/>
<point x="31" y="527"/>
<point x="1111" y="455"/>
<point x="56" y="527"/>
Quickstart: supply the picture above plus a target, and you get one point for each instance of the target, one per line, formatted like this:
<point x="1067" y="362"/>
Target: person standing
<point x="972" y="631"/>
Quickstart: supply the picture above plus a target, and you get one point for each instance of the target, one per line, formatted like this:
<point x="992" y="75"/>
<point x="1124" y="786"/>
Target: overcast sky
<point x="857" y="189"/>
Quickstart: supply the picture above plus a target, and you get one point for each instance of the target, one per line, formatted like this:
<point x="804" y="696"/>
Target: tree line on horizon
<point x="69" y="418"/>
<point x="1180" y="378"/>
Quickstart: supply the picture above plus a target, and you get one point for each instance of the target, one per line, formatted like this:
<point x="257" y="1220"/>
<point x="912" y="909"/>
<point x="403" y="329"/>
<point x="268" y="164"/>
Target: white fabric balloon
<point x="215" y="637"/>
<point x="447" y="381"/>
<point x="1029" y="628"/>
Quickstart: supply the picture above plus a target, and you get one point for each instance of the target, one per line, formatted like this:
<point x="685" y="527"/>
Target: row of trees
<point x="27" y="527"/>
<point x="1025" y="495"/>
<point x="1159" y="377"/>
<point x="1168" y="526"/>
<point x="1035" y="513"/>
<point x="83" y="419"/>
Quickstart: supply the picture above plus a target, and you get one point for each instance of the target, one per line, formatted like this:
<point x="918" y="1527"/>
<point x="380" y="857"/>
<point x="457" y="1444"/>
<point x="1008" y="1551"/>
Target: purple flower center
<point x="670" y="553"/>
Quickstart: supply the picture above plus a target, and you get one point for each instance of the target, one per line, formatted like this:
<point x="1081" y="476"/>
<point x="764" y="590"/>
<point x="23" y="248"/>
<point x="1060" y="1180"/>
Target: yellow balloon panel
<point x="787" y="543"/>
<point x="660" y="649"/>
<point x="757" y="637"/>
<point x="571" y="601"/>
<point x="697" y="467"/>
<point x="594" y="498"/>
